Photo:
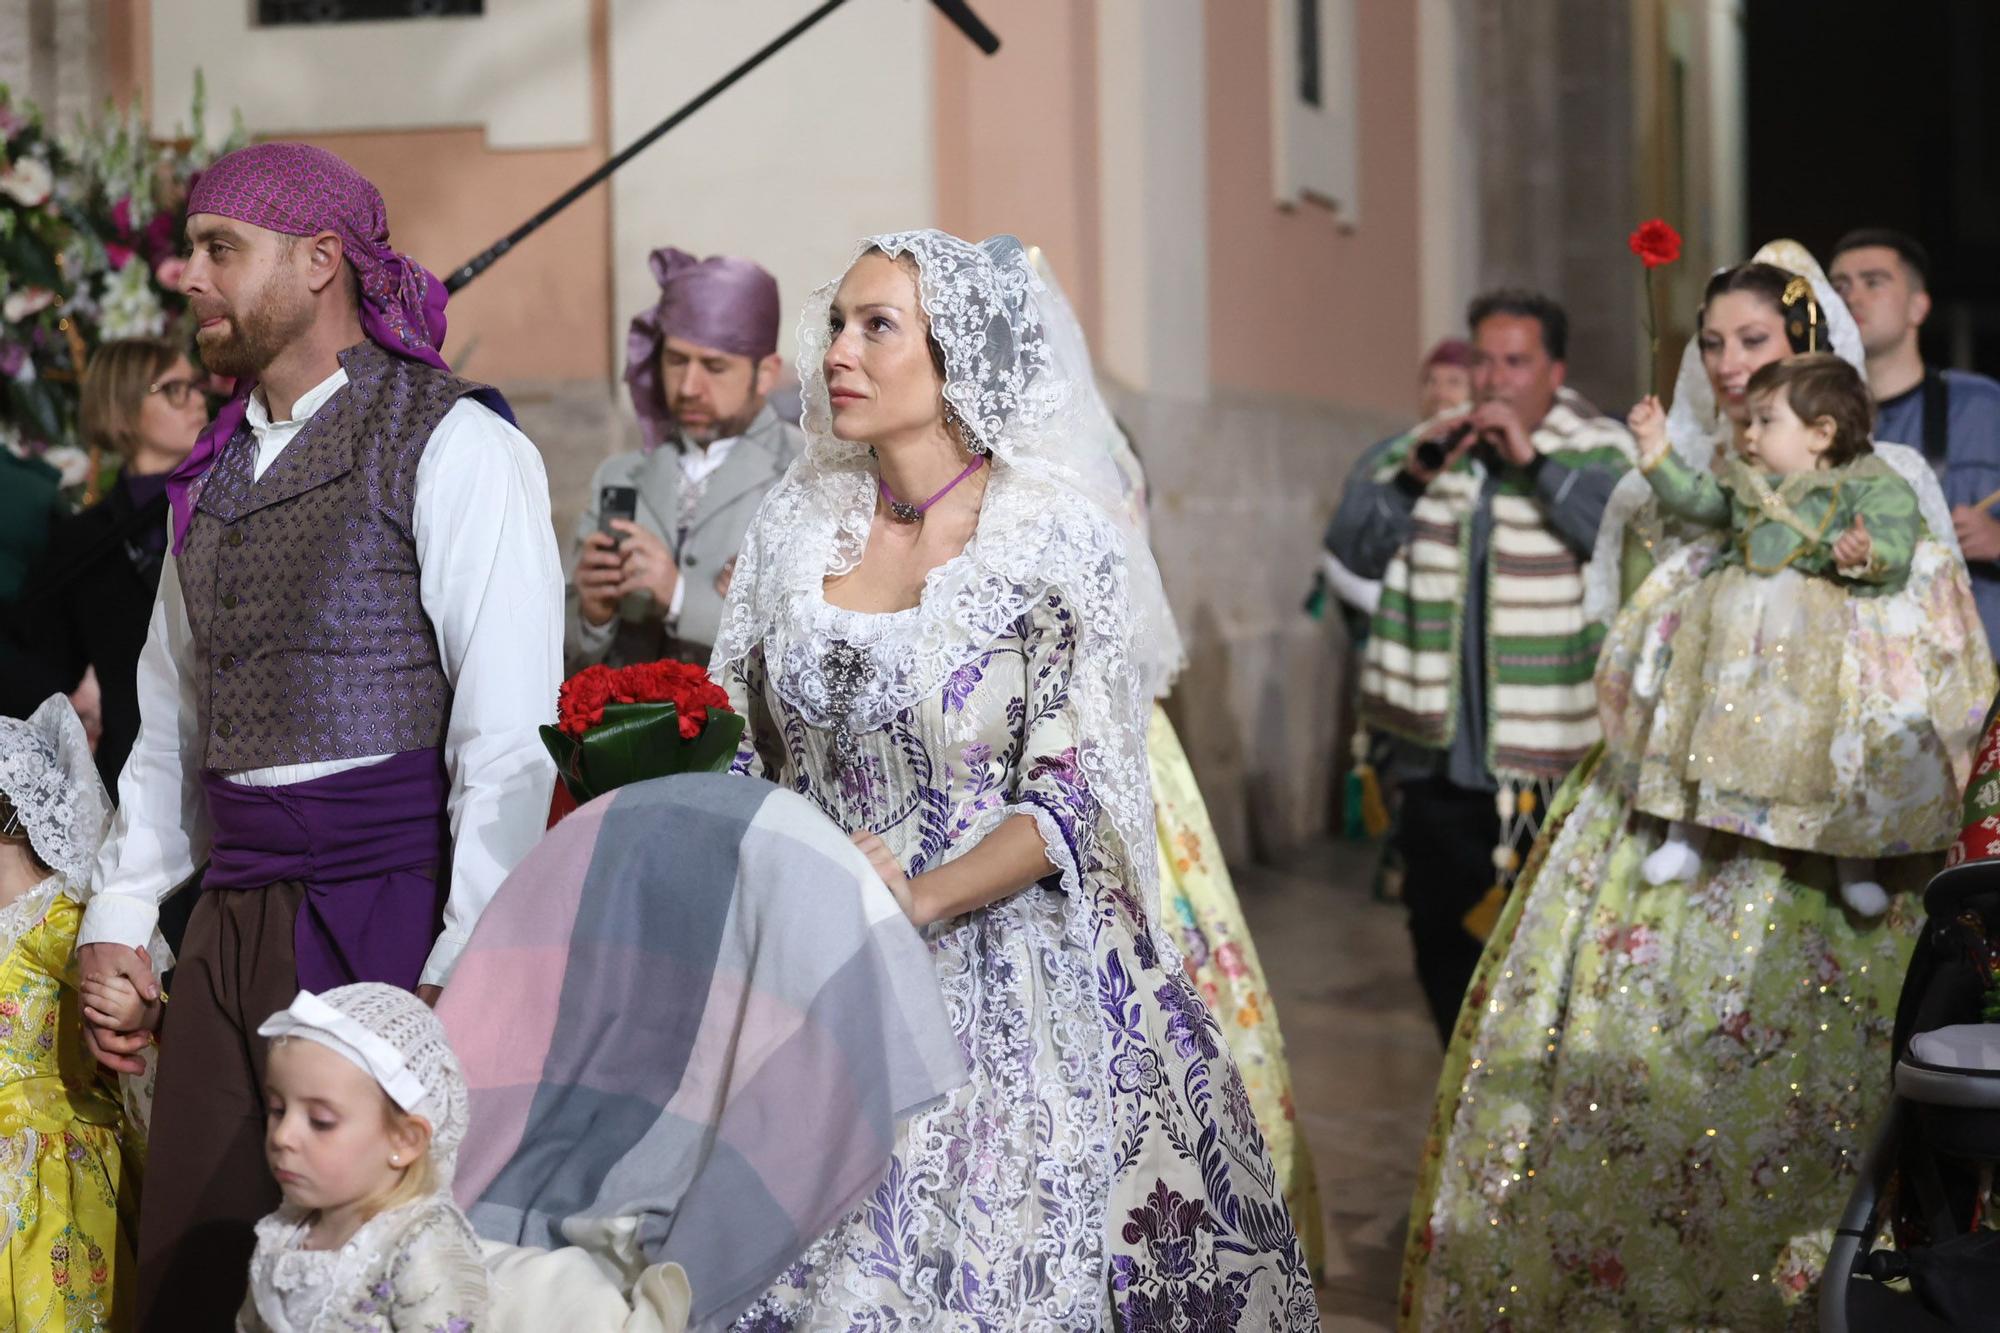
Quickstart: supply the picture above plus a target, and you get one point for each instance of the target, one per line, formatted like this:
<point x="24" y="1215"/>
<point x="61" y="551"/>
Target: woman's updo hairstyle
<point x="1789" y="294"/>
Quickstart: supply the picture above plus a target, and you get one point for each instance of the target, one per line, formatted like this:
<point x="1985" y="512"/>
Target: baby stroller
<point x="1929" y="1176"/>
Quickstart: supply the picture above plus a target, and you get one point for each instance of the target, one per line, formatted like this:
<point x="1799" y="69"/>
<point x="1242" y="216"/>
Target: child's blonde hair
<point x="420" y="1178"/>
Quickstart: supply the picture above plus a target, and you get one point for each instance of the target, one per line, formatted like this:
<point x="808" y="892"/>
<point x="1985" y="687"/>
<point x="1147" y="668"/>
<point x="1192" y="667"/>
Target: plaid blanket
<point x="694" y="1007"/>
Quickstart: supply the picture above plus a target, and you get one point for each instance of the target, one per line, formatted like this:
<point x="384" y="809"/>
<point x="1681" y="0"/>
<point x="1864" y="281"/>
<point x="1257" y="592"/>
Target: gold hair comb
<point x="1797" y="290"/>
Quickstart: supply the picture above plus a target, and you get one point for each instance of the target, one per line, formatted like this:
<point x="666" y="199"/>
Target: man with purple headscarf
<point x="356" y="635"/>
<point x="699" y="365"/>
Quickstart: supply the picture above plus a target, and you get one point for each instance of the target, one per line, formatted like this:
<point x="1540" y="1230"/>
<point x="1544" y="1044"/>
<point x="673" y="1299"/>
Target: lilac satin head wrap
<point x="721" y="302"/>
<point x="299" y="190"/>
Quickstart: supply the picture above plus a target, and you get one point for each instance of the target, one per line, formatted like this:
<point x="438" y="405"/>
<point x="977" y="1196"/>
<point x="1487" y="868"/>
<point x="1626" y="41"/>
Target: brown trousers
<point x="206" y="1181"/>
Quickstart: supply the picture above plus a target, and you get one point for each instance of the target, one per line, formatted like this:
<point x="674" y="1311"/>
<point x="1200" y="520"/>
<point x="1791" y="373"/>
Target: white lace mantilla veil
<point x="1159" y="649"/>
<point x="1696" y="429"/>
<point x="1017" y="375"/>
<point x="48" y="775"/>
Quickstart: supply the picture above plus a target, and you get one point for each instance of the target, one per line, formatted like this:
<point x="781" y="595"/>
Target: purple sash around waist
<point x="370" y="845"/>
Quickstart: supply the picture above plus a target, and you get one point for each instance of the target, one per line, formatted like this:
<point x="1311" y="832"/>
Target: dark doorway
<point x="1873" y="114"/>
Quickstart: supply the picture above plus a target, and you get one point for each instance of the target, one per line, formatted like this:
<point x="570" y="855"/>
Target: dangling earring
<point x="961" y="432"/>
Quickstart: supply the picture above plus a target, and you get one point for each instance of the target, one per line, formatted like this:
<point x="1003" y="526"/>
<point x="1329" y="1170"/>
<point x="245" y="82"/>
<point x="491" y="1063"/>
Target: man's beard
<point x="257" y="337"/>
<point x="725" y="427"/>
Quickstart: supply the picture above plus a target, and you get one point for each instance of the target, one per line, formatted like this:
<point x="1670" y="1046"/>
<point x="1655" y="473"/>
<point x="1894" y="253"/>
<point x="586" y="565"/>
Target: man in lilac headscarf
<point x="700" y="366"/>
<point x="355" y="638"/>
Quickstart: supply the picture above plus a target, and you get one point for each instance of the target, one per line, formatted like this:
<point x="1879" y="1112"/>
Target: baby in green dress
<point x="1808" y="496"/>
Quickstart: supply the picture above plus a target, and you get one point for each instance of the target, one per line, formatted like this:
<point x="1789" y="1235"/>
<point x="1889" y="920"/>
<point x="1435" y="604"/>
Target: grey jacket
<point x="639" y="632"/>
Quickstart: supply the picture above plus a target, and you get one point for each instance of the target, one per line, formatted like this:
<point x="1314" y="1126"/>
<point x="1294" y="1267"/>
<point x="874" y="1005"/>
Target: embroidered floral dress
<point x="69" y="1172"/>
<point x="412" y="1269"/>
<point x="1199" y="905"/>
<point x="1103" y="1167"/>
<point x="1656" y="1098"/>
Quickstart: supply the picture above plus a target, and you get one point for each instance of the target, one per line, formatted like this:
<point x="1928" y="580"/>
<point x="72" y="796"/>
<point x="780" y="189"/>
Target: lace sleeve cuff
<point x="1056" y="838"/>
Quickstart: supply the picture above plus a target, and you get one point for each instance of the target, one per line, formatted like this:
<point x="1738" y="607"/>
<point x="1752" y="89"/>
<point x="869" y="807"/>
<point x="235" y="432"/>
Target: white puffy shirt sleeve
<point x="161" y="832"/>
<point x="491" y="583"/>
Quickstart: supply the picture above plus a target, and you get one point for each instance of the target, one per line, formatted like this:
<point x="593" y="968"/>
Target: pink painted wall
<point x="1298" y="305"/>
<point x="543" y="311"/>
<point x="1016" y="137"/>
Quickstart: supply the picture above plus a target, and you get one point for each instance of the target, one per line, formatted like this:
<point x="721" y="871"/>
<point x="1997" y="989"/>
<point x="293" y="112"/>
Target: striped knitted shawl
<point x="1541" y="649"/>
<point x="695" y="1008"/>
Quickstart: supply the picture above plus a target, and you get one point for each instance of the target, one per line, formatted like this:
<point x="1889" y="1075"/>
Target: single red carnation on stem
<point x="1656" y="243"/>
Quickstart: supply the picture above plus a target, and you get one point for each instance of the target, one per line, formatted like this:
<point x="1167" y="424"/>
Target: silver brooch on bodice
<point x="846" y="668"/>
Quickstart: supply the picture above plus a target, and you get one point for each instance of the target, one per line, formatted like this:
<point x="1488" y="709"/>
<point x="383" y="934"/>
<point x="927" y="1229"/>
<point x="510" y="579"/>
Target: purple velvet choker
<point x="904" y="512"/>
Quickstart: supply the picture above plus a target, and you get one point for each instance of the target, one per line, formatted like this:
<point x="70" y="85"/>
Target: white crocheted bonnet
<point x="396" y="1038"/>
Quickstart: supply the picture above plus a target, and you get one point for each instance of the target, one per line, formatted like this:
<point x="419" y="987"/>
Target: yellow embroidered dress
<point x="69" y="1172"/>
<point x="1199" y="906"/>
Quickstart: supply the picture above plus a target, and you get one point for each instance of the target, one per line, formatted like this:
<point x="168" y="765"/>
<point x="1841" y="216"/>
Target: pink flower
<point x="121" y="216"/>
<point x="169" y="270"/>
<point x="118" y="256"/>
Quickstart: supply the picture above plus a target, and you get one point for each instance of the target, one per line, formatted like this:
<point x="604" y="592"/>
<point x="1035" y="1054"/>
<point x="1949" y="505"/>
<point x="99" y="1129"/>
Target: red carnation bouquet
<point x="617" y="725"/>
<point x="1657" y="245"/>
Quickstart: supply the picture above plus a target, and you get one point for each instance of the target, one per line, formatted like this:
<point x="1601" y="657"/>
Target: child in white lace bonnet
<point x="366" y="1106"/>
<point x="68" y="1154"/>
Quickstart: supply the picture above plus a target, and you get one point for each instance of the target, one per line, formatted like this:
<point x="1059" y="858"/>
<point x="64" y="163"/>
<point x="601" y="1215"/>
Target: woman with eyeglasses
<point x="89" y="601"/>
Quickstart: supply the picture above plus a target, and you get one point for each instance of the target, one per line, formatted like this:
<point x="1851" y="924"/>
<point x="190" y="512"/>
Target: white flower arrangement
<point x="130" y="307"/>
<point x="28" y="181"/>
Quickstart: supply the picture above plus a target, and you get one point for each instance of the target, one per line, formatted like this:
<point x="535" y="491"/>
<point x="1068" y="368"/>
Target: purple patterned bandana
<point x="721" y="302"/>
<point x="299" y="190"/>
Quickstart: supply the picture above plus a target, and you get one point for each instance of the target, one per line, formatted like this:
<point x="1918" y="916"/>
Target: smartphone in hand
<point x="616" y="502"/>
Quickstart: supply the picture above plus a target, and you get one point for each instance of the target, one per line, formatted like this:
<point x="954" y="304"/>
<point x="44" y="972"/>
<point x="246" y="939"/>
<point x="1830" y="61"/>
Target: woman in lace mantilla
<point x="941" y="655"/>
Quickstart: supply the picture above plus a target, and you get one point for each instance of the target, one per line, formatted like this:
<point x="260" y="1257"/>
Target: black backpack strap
<point x="1937" y="415"/>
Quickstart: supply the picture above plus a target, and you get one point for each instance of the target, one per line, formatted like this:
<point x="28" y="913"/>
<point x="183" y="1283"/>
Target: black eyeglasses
<point x="177" y="391"/>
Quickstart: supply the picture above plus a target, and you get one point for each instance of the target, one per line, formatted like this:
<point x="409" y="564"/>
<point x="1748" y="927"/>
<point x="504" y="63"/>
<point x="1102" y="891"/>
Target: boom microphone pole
<point x="967" y="22"/>
<point x="960" y="15"/>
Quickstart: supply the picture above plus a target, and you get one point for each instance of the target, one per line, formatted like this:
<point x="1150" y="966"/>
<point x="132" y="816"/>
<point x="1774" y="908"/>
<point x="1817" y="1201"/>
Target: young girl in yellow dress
<point x="69" y="1166"/>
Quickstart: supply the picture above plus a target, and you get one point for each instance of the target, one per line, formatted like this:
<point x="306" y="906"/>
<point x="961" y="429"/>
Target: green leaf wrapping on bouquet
<point x="636" y="742"/>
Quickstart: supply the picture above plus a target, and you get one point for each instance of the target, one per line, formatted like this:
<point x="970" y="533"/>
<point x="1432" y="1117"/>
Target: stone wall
<point x="1242" y="488"/>
<point x="576" y="427"/>
<point x="1557" y="162"/>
